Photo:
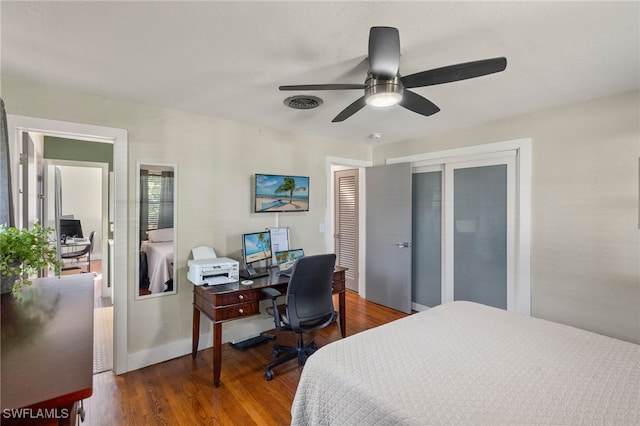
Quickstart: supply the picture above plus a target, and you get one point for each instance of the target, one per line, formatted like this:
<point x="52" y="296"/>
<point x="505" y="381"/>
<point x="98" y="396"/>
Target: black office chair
<point x="86" y="251"/>
<point x="309" y="306"/>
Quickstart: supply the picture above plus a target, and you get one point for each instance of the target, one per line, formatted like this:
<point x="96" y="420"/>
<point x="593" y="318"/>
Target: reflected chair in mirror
<point x="78" y="254"/>
<point x="308" y="307"/>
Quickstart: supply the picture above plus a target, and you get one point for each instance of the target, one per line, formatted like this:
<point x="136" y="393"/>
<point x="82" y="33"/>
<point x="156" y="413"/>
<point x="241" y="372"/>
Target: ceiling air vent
<point x="303" y="102"/>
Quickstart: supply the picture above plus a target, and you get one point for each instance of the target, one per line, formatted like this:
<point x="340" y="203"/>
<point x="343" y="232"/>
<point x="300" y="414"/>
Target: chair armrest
<point x="271" y="292"/>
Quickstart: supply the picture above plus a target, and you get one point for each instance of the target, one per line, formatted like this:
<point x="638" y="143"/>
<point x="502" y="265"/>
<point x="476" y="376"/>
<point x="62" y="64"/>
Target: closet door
<point x="427" y="236"/>
<point x="347" y="225"/>
<point x="479" y="232"/>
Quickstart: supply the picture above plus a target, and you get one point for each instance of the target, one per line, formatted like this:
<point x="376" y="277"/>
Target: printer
<point x="213" y="271"/>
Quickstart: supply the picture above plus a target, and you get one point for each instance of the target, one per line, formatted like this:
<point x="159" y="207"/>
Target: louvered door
<point x="346" y="224"/>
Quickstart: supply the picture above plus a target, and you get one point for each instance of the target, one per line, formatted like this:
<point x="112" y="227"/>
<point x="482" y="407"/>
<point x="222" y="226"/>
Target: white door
<point x="346" y="221"/>
<point x="29" y="206"/>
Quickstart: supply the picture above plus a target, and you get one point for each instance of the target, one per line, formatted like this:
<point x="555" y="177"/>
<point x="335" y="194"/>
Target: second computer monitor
<point x="286" y="259"/>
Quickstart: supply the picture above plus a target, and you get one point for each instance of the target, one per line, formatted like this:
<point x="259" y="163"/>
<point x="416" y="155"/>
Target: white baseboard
<point x="418" y="307"/>
<point x="163" y="353"/>
<point x="231" y="331"/>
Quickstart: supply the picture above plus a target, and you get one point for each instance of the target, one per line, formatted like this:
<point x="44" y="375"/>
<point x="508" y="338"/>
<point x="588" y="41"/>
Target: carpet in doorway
<point x="102" y="339"/>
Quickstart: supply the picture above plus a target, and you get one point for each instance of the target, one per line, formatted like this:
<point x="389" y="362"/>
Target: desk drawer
<point x="237" y="311"/>
<point x="227" y="299"/>
<point x="223" y="313"/>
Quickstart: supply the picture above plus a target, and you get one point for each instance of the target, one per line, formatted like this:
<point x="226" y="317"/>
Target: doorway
<point x="16" y="125"/>
<point x="82" y="189"/>
<point x="353" y="251"/>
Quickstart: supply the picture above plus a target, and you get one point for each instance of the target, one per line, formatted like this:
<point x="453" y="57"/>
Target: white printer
<point x="207" y="268"/>
<point x="219" y="270"/>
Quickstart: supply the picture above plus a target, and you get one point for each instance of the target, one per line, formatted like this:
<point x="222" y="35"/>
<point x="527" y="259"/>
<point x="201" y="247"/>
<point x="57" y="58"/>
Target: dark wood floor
<point x="180" y="391"/>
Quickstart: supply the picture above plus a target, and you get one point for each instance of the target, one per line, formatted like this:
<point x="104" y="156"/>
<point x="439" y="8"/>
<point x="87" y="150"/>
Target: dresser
<point x="47" y="351"/>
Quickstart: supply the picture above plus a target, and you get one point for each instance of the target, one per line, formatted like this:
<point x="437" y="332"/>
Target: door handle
<point x="403" y="245"/>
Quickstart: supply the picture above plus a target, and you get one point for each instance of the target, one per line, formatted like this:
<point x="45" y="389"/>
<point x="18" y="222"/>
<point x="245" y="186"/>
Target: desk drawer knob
<point x="241" y="311"/>
<point x="241" y="297"/>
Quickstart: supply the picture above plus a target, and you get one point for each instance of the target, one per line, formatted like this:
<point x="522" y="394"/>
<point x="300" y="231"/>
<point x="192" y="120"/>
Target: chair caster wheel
<point x="275" y="353"/>
<point x="268" y="375"/>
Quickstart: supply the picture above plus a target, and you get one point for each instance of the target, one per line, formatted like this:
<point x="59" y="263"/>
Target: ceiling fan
<point x="384" y="86"/>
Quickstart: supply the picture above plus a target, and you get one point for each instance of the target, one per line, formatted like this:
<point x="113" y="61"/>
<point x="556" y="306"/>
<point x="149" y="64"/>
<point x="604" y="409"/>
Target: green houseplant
<point x="23" y="253"/>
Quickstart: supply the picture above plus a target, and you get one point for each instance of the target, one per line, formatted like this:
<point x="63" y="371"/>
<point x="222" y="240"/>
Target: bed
<point x="158" y="254"/>
<point x="466" y="363"/>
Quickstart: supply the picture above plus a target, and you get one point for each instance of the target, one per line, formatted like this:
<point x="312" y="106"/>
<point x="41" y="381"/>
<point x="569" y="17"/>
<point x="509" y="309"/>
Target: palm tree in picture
<point x="262" y="242"/>
<point x="289" y="185"/>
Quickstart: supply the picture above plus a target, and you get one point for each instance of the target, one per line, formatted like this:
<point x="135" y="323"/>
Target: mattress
<point x="466" y="363"/>
<point x="160" y="264"/>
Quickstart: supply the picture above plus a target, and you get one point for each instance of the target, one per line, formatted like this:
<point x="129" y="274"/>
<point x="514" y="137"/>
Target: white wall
<point x="217" y="159"/>
<point x="82" y="197"/>
<point x="586" y="241"/>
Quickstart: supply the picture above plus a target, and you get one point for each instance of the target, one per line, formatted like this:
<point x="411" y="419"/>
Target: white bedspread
<point x="160" y="264"/>
<point x="465" y="363"/>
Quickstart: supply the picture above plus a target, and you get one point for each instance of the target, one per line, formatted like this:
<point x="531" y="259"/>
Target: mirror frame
<point x="140" y="165"/>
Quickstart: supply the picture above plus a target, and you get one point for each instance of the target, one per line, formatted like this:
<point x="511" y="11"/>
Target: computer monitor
<point x="256" y="247"/>
<point x="71" y="228"/>
<point x="286" y="259"/>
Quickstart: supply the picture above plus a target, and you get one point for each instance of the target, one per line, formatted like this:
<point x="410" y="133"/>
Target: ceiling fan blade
<point x="350" y="110"/>
<point x="456" y="72"/>
<point x="416" y="103"/>
<point x="384" y="52"/>
<point x="302" y="87"/>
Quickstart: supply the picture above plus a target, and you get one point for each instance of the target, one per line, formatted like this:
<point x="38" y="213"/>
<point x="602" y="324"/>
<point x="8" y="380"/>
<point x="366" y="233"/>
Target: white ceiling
<point x="227" y="59"/>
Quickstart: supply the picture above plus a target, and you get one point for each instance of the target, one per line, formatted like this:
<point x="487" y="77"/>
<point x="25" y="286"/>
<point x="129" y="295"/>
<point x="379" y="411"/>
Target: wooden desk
<point x="47" y="350"/>
<point x="222" y="303"/>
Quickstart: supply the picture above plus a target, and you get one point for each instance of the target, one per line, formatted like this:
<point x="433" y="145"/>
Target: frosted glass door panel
<point x="427" y="236"/>
<point x="480" y="235"/>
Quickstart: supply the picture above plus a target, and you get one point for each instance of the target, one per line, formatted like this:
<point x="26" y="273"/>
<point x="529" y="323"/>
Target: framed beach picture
<point x="281" y="193"/>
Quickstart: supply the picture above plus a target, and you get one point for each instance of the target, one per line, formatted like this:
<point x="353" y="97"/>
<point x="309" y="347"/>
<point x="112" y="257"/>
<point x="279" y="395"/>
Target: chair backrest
<point x="309" y="294"/>
<point x="90" y="248"/>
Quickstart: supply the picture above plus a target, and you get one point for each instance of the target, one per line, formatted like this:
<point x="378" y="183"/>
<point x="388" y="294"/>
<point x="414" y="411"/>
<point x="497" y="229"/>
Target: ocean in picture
<point x="281" y="193"/>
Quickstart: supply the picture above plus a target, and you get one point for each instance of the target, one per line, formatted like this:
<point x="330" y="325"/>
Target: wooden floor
<point x="180" y="391"/>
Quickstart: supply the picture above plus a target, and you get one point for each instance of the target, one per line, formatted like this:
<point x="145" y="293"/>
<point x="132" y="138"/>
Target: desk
<point x="47" y="349"/>
<point x="227" y="302"/>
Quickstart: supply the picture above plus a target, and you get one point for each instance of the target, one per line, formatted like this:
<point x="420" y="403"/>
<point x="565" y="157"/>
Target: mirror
<point x="156" y="229"/>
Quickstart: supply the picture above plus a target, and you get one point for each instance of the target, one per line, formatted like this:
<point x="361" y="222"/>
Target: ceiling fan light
<point x="382" y="93"/>
<point x="382" y="100"/>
